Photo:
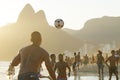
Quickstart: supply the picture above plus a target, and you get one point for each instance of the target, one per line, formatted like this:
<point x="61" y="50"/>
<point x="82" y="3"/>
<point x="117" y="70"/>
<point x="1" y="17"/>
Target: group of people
<point x="113" y="63"/>
<point x="32" y="56"/>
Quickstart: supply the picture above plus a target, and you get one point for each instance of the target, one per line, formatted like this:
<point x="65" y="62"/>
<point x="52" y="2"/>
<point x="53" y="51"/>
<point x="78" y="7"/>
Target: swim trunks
<point x="28" y="76"/>
<point x="113" y="70"/>
<point x="61" y="78"/>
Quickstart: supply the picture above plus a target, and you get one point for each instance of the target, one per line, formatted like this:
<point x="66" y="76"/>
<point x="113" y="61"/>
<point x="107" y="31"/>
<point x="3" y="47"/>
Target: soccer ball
<point x="59" y="23"/>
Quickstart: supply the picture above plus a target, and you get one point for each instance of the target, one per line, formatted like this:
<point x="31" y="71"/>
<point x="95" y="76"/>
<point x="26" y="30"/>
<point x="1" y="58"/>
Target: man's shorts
<point x="100" y="66"/>
<point x="113" y="70"/>
<point x="74" y="65"/>
<point x="28" y="76"/>
<point x="61" y="78"/>
<point x="78" y="63"/>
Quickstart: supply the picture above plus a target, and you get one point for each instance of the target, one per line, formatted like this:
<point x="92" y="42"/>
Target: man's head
<point x="52" y="56"/>
<point x="78" y="53"/>
<point x="36" y="38"/>
<point x="74" y="53"/>
<point x="60" y="57"/>
<point x="100" y="52"/>
<point x="113" y="52"/>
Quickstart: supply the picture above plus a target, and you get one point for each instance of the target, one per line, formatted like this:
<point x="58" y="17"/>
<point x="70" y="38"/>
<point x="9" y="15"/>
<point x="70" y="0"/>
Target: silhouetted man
<point x="79" y="60"/>
<point x="31" y="57"/>
<point x="113" y="65"/>
<point x="100" y="61"/>
<point x="53" y="60"/>
<point x="61" y="66"/>
<point x="75" y="62"/>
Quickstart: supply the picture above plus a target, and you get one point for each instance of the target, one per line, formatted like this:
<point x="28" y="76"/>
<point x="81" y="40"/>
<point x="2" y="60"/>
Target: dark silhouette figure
<point x="100" y="61"/>
<point x="79" y="60"/>
<point x="30" y="59"/>
<point x="53" y="60"/>
<point x="117" y="56"/>
<point x="61" y="66"/>
<point x="86" y="60"/>
<point x="93" y="59"/>
<point x="75" y="62"/>
<point x="113" y="65"/>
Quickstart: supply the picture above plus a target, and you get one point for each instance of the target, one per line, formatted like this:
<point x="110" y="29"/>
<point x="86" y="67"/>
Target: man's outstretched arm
<point x="14" y="62"/>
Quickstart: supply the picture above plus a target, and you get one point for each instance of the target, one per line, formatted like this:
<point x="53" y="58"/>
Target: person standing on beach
<point x="30" y="59"/>
<point x="61" y="66"/>
<point x="75" y="62"/>
<point x="53" y="60"/>
<point x="100" y="61"/>
<point x="86" y="60"/>
<point x="93" y="59"/>
<point x="117" y="56"/>
<point x="79" y="62"/>
<point x="113" y="65"/>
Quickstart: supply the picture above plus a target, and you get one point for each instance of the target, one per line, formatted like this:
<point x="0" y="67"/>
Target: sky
<point x="74" y="13"/>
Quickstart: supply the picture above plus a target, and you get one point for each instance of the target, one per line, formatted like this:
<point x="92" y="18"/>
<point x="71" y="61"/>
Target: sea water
<point x="5" y="64"/>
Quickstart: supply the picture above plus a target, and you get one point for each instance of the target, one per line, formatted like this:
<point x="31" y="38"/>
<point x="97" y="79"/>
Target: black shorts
<point x="28" y="76"/>
<point x="113" y="70"/>
<point x="74" y="65"/>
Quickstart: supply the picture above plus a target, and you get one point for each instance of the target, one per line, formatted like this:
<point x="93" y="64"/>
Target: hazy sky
<point x="74" y="12"/>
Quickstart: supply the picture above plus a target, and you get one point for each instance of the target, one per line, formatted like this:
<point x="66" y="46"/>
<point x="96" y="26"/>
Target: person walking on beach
<point x="30" y="59"/>
<point x="61" y="66"/>
<point x="113" y="65"/>
<point x="100" y="61"/>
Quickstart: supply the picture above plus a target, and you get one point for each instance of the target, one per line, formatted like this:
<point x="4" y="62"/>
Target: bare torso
<point x="112" y="61"/>
<point x="61" y="66"/>
<point x="31" y="58"/>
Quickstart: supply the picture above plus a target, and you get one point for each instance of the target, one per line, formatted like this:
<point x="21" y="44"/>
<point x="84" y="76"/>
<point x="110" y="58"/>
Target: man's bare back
<point x="31" y="58"/>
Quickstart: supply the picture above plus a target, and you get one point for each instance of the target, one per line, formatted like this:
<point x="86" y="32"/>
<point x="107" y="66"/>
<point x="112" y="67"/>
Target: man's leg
<point x="110" y="74"/>
<point x="116" y="74"/>
<point x="102" y="73"/>
<point x="99" y="71"/>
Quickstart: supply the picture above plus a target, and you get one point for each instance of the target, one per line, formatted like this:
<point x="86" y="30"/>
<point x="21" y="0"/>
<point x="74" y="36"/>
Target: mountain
<point x="101" y="30"/>
<point x="17" y="35"/>
<point x="70" y="31"/>
<point x="99" y="33"/>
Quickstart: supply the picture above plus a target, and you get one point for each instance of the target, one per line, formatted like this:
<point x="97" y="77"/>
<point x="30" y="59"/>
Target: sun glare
<point x="6" y="18"/>
<point x="5" y="22"/>
<point x="2" y="23"/>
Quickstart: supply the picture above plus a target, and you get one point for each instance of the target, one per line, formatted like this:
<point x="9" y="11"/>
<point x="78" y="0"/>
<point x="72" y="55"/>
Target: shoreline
<point x="92" y="70"/>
